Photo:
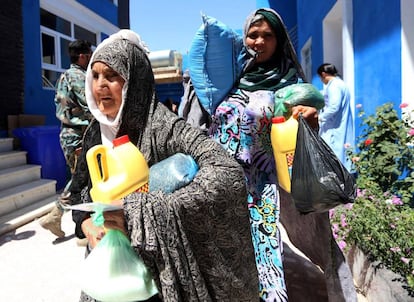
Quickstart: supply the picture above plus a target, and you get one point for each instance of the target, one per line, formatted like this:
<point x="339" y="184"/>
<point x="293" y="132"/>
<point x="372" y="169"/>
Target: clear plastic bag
<point x="320" y="182"/>
<point x="172" y="173"/>
<point x="113" y="272"/>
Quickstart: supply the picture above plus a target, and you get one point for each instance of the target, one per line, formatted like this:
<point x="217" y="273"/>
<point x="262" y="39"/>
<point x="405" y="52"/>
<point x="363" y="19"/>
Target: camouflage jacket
<point x="71" y="108"/>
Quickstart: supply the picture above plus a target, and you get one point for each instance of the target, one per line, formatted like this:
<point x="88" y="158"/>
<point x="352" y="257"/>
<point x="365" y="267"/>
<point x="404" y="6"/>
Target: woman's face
<point x="107" y="89"/>
<point x="262" y="40"/>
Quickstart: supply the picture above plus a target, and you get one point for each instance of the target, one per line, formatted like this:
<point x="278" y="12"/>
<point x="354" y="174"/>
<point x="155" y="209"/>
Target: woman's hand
<point x="92" y="232"/>
<point x="115" y="220"/>
<point x="112" y="220"/>
<point x="309" y="113"/>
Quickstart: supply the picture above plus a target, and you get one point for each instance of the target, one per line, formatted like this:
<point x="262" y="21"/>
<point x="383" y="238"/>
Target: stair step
<point x="12" y="159"/>
<point x="18" y="175"/>
<point x="20" y="196"/>
<point x="6" y="144"/>
<point x="22" y="216"/>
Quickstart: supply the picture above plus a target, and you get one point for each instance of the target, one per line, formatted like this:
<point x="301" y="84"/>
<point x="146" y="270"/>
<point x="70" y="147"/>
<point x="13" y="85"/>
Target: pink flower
<point x="411" y="132"/>
<point x="355" y="159"/>
<point x="361" y="193"/>
<point x="403" y="105"/>
<point x="347" y="145"/>
<point x="348" y="206"/>
<point x="392" y="226"/>
<point x="342" y="245"/>
<point x="405" y="260"/>
<point x="358" y="106"/>
<point x="396" y="201"/>
<point x="395" y="249"/>
<point x="343" y="220"/>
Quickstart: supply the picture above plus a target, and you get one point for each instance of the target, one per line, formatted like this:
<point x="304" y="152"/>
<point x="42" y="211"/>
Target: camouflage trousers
<point x="71" y="141"/>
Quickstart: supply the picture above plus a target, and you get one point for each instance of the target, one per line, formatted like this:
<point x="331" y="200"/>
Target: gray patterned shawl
<point x="196" y="240"/>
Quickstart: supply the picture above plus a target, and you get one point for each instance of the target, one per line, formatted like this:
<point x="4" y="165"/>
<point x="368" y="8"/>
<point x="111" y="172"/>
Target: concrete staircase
<point x="24" y="195"/>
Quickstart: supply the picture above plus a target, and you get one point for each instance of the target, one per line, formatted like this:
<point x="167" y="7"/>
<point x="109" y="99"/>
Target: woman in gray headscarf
<point x="195" y="241"/>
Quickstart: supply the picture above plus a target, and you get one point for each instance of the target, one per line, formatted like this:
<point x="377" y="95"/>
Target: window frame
<point x="306" y="56"/>
<point x="57" y="36"/>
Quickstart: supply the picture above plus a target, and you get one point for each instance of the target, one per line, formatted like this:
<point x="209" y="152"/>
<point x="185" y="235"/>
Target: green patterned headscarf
<point x="282" y="69"/>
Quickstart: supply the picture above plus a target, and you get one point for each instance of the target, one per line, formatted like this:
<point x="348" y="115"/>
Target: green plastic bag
<point x="297" y="94"/>
<point x="113" y="272"/>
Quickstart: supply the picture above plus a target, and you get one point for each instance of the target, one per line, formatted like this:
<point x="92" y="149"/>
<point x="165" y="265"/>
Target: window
<point x="48" y="49"/>
<point x="84" y="34"/>
<point x="306" y="63"/>
<point x="64" y="57"/>
<point x="56" y="34"/>
<point x="54" y="22"/>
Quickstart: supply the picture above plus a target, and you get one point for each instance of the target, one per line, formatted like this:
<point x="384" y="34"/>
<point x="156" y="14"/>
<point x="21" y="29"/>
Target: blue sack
<point x="172" y="173"/>
<point x="215" y="62"/>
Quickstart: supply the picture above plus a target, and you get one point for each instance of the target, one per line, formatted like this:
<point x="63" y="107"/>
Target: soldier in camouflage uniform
<point x="72" y="110"/>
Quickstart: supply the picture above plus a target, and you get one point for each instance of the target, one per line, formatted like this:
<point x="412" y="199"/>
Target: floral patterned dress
<point x="241" y="125"/>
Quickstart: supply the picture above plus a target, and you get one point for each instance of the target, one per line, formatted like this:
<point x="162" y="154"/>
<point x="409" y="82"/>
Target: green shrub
<point x="381" y="220"/>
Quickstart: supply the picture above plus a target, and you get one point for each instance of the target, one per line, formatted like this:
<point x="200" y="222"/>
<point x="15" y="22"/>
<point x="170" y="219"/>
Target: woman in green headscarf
<point x="241" y="124"/>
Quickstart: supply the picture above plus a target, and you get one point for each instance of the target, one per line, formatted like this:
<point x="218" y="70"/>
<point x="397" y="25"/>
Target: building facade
<point x="371" y="43"/>
<point x="35" y="48"/>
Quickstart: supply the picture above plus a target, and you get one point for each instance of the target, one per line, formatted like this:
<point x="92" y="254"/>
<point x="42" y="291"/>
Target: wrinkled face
<point x="262" y="39"/>
<point x="107" y="89"/>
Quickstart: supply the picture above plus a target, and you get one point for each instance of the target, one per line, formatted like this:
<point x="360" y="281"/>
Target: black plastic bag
<point x="320" y="182"/>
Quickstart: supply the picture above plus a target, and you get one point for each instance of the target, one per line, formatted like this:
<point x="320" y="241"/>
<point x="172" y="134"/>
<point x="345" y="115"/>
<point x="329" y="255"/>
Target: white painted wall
<point x="407" y="53"/>
<point x="348" y="50"/>
<point x="332" y="38"/>
<point x="338" y="47"/>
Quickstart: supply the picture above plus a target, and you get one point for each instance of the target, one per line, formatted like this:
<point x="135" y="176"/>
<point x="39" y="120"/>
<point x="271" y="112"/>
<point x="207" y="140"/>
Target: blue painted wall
<point x="286" y="9"/>
<point x="377" y="44"/>
<point x="307" y="16"/>
<point x="36" y="99"/>
<point x="310" y="24"/>
<point x="106" y="9"/>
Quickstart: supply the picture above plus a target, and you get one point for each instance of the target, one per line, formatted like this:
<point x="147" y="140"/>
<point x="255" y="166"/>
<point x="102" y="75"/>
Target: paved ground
<point x="37" y="268"/>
